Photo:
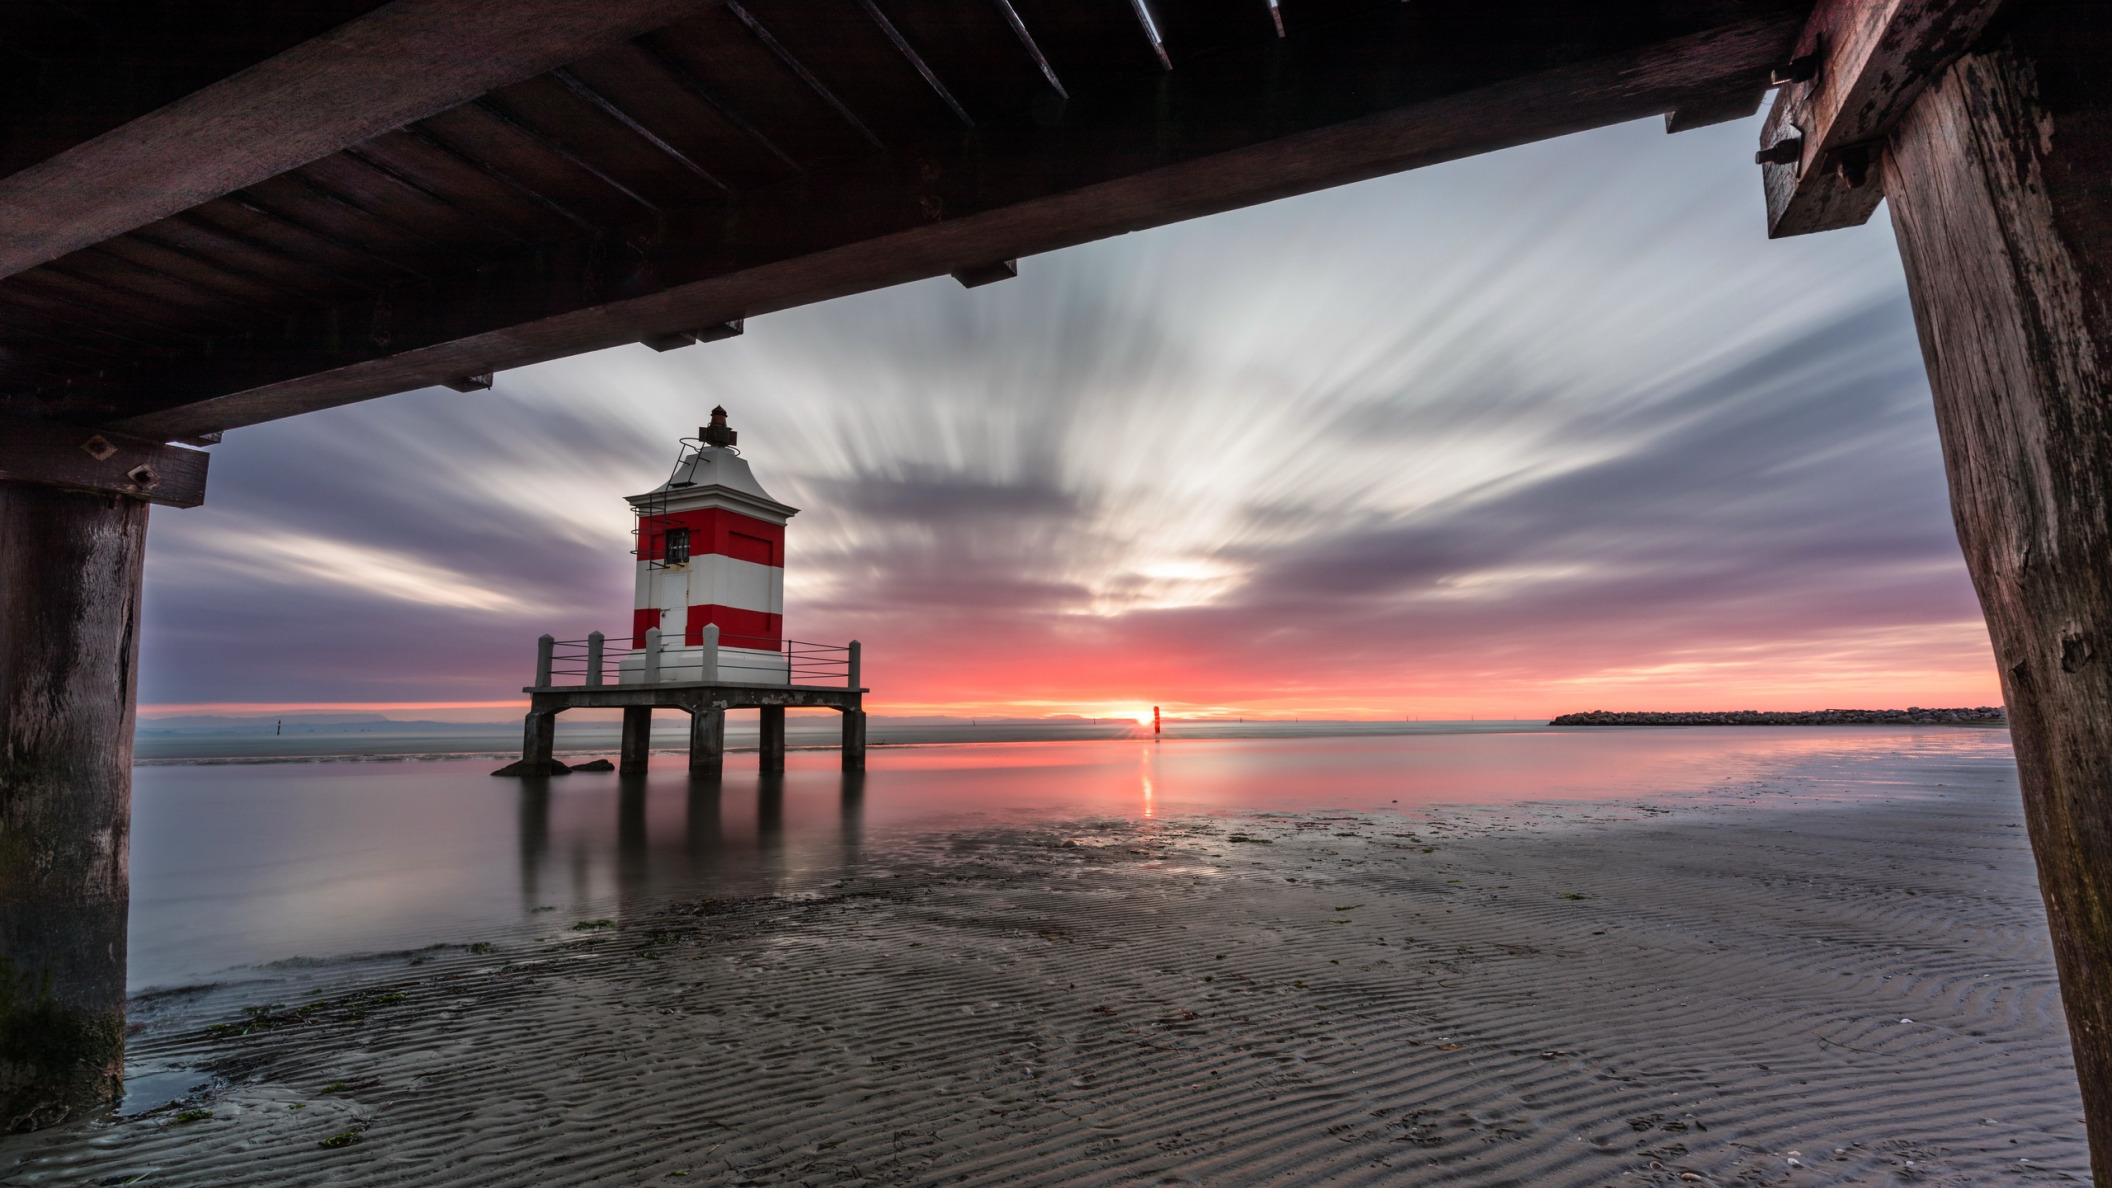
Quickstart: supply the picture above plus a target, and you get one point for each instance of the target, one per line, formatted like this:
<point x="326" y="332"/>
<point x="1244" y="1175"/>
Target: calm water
<point x="236" y="865"/>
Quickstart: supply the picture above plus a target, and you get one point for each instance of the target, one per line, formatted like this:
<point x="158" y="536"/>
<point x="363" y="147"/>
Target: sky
<point x="1552" y="429"/>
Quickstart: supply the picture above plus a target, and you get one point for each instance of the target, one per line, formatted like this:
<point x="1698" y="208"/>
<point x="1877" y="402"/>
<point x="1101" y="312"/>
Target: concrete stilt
<point x="69" y="648"/>
<point x="538" y="740"/>
<point x="538" y="737"/>
<point x="773" y="739"/>
<point x="854" y="740"/>
<point x="637" y="739"/>
<point x="707" y="741"/>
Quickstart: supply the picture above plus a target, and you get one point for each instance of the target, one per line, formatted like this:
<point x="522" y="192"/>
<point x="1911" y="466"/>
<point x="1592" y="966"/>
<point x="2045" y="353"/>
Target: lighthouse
<point x="707" y="631"/>
<point x="710" y="570"/>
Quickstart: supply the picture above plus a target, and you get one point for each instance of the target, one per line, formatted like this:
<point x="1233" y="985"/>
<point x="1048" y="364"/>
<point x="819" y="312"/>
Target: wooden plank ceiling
<point x="765" y="153"/>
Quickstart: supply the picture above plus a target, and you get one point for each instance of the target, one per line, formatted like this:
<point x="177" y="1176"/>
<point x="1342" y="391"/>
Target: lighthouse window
<point x="678" y="546"/>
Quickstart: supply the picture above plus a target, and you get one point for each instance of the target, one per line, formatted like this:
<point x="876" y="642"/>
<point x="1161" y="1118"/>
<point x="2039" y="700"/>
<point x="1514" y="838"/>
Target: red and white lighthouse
<point x="707" y="628"/>
<point x="711" y="563"/>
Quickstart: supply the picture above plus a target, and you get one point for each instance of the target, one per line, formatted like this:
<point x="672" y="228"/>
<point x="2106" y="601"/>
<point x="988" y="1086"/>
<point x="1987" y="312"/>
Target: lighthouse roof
<point x="715" y="476"/>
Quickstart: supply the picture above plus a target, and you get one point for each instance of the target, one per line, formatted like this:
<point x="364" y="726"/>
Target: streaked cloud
<point x="1515" y="433"/>
<point x="278" y="557"/>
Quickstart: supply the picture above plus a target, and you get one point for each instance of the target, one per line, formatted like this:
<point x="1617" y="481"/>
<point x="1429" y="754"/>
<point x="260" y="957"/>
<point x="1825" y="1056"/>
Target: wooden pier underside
<point x="439" y="190"/>
<point x="214" y="215"/>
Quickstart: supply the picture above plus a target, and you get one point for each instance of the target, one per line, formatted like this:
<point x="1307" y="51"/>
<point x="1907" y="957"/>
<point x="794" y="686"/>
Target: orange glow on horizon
<point x="1945" y="665"/>
<point x="1026" y="677"/>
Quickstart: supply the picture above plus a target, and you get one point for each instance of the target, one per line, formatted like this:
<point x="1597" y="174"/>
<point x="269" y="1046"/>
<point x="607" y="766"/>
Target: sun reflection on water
<point x="1144" y="772"/>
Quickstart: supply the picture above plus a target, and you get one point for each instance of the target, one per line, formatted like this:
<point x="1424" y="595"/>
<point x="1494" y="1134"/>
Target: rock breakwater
<point x="1985" y="715"/>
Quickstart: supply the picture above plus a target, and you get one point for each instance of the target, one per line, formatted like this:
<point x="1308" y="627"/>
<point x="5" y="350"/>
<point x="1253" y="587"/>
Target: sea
<point x="254" y="853"/>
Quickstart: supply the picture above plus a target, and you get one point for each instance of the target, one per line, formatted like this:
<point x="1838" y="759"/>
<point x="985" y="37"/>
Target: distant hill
<point x="1986" y="715"/>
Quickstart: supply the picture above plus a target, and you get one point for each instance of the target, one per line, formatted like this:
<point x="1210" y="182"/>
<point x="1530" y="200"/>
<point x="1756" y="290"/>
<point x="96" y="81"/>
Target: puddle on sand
<point x="150" y="1087"/>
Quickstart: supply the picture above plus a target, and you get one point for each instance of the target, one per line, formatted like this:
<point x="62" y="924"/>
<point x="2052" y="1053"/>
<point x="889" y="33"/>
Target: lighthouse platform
<point x="812" y="676"/>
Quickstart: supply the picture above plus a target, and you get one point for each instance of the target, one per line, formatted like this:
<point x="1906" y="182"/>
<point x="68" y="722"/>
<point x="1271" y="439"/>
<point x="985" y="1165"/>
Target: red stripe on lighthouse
<point x="644" y="619"/>
<point x="737" y="628"/>
<point x="715" y="530"/>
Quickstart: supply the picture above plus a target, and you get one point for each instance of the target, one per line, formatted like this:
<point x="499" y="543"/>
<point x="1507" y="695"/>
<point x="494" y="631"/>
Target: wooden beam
<point x="78" y="70"/>
<point x="1390" y="102"/>
<point x="1866" y="62"/>
<point x="1996" y="181"/>
<point x="1710" y="110"/>
<point x="103" y="463"/>
<point x="398" y="64"/>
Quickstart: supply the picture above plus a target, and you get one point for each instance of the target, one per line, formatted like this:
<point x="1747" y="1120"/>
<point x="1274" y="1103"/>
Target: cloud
<point x="299" y="559"/>
<point x="1501" y="432"/>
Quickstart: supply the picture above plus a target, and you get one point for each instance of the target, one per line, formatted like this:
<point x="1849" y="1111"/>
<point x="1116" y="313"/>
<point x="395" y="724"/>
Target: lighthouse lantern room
<point x="711" y="563"/>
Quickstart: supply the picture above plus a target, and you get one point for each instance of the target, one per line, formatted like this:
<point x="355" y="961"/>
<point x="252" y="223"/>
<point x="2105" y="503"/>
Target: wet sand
<point x="1783" y="987"/>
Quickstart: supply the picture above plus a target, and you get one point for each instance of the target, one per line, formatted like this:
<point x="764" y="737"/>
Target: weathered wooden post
<point x="637" y="740"/>
<point x="596" y="643"/>
<point x="73" y="525"/>
<point x="1996" y="159"/>
<point x="771" y="757"/>
<point x="708" y="655"/>
<point x="2003" y="210"/>
<point x="851" y="674"/>
<point x="545" y="647"/>
<point x="651" y="662"/>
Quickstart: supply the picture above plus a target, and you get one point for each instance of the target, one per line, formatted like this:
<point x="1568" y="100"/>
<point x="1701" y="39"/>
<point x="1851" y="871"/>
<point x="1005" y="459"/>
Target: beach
<point x="1839" y="976"/>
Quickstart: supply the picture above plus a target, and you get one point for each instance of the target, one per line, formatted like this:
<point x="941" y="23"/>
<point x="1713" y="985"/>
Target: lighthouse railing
<point x="822" y="664"/>
<point x="736" y="660"/>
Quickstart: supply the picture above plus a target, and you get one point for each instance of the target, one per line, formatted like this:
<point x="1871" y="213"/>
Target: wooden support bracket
<point x="717" y="332"/>
<point x="977" y="275"/>
<point x="102" y="462"/>
<point x="1858" y="67"/>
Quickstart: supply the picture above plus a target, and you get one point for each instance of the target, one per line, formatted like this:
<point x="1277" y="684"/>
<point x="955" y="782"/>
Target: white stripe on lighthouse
<point x="712" y="579"/>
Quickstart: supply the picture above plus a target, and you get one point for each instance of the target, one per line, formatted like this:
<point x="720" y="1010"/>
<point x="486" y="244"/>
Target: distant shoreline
<point x="497" y="743"/>
<point x="1985" y="715"/>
